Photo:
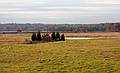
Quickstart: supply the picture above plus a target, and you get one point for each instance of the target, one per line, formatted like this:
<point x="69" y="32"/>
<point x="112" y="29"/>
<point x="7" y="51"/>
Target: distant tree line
<point x="55" y="36"/>
<point x="18" y="28"/>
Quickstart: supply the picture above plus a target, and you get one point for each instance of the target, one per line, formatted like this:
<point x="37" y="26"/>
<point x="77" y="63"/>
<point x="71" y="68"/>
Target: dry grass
<point x="95" y="34"/>
<point x="27" y="36"/>
<point x="71" y="56"/>
<point x="14" y="37"/>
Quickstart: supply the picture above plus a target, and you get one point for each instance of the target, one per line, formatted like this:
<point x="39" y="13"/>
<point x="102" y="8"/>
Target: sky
<point x="59" y="11"/>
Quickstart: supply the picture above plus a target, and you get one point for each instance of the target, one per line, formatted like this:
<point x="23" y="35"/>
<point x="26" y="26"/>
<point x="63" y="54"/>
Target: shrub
<point x="62" y="37"/>
<point x="46" y="37"/>
<point x="34" y="37"/>
<point x="53" y="37"/>
<point x="57" y="36"/>
<point x="39" y="38"/>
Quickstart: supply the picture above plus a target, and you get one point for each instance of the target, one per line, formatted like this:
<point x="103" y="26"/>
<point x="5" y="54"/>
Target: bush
<point x="34" y="37"/>
<point x="39" y="38"/>
<point x="53" y="37"/>
<point x="62" y="37"/>
<point x="46" y="37"/>
<point x="57" y="36"/>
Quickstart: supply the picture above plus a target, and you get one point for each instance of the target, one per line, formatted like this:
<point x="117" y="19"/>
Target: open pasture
<point x="71" y="56"/>
<point x="22" y="37"/>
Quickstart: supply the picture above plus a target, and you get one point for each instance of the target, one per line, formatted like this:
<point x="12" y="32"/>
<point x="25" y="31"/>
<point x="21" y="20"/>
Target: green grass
<point x="71" y="56"/>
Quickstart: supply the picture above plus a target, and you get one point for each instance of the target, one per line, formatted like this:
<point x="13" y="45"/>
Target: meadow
<point x="70" y="56"/>
<point x="22" y="37"/>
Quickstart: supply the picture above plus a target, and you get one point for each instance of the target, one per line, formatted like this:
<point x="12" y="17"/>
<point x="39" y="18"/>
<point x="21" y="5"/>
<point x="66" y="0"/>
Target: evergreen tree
<point x="57" y="36"/>
<point x="34" y="38"/>
<point x="53" y="36"/>
<point x="39" y="38"/>
<point x="62" y="37"/>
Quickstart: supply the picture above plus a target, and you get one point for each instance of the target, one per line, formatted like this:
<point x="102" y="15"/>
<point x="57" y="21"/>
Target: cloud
<point x="59" y="11"/>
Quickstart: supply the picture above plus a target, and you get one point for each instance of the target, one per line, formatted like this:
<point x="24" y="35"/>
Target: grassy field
<point x="15" y="37"/>
<point x="71" y="56"/>
<point x="94" y="34"/>
<point x="27" y="36"/>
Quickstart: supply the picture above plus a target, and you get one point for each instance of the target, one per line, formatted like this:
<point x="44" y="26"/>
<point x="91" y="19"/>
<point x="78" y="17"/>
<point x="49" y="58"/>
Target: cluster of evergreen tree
<point x="46" y="37"/>
<point x="36" y="37"/>
<point x="57" y="36"/>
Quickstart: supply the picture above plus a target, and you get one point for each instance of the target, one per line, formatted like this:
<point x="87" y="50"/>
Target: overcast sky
<point x="59" y="11"/>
